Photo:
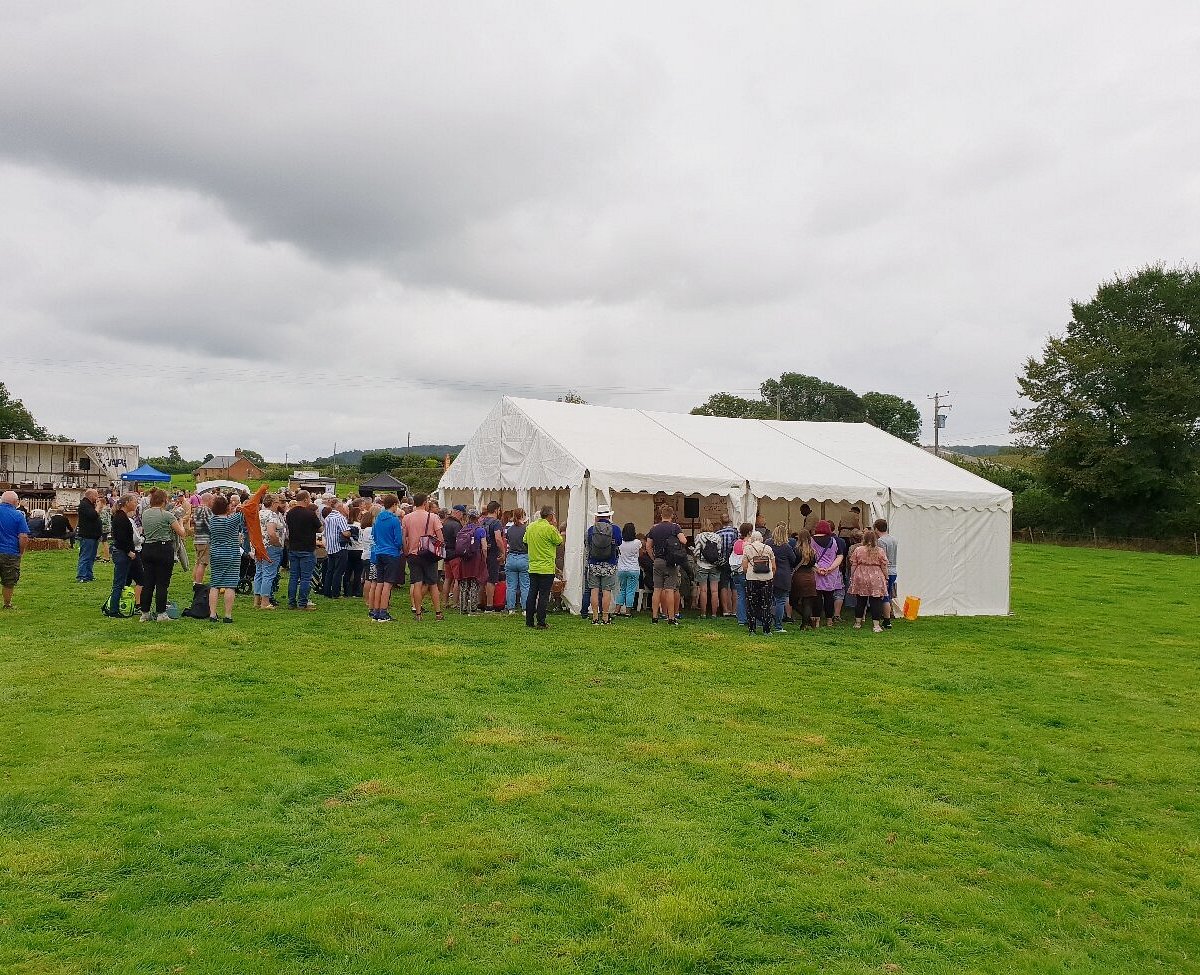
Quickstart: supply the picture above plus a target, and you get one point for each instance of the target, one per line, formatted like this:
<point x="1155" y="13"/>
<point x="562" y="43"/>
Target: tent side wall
<point x="957" y="561"/>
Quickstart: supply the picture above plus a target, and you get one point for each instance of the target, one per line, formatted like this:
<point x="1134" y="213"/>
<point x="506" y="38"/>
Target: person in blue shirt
<point x="603" y="540"/>
<point x="14" y="537"/>
<point x="387" y="541"/>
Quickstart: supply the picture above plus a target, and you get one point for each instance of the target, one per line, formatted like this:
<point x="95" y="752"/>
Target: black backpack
<point x="600" y="545"/>
<point x="199" y="608"/>
<point x="675" y="552"/>
<point x="710" y="551"/>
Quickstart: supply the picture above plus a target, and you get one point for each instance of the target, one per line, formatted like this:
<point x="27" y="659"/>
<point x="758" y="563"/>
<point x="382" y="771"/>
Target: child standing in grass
<point x="868" y="580"/>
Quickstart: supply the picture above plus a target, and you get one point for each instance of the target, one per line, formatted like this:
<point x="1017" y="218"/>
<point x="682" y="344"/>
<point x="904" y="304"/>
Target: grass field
<point x="314" y="793"/>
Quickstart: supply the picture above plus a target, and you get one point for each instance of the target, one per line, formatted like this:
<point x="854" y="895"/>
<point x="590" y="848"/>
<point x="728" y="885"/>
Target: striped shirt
<point x="335" y="524"/>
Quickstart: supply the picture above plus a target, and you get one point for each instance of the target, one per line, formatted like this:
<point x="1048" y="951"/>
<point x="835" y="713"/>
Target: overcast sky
<point x="285" y="225"/>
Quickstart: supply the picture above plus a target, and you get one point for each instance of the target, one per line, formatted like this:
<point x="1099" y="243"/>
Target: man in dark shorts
<point x="419" y="523"/>
<point x="14" y="537"/>
<point x="497" y="551"/>
<point x="387" y="548"/>
<point x="666" y="577"/>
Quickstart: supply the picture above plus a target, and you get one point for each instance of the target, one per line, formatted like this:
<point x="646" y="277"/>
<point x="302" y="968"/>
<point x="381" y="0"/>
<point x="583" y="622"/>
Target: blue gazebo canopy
<point x="145" y="473"/>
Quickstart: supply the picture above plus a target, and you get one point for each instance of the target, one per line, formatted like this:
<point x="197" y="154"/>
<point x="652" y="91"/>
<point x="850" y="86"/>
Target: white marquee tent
<point x="953" y="529"/>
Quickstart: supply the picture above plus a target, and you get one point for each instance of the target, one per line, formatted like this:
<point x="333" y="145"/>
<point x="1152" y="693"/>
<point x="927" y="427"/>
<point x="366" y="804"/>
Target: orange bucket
<point x="912" y="607"/>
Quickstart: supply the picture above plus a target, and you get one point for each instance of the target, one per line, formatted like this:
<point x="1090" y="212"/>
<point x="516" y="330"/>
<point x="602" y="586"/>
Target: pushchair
<point x="246" y="575"/>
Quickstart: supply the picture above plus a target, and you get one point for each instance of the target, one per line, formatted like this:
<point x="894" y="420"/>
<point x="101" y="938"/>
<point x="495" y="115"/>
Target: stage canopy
<point x="145" y="473"/>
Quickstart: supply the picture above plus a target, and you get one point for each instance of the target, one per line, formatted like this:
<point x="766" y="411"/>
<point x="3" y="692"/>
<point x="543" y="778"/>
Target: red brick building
<point x="227" y="467"/>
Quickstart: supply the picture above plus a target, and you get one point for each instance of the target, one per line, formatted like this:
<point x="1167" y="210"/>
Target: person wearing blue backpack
<point x="603" y="541"/>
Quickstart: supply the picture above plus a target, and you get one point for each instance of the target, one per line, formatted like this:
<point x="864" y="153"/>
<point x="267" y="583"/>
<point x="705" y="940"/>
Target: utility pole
<point x="939" y="419"/>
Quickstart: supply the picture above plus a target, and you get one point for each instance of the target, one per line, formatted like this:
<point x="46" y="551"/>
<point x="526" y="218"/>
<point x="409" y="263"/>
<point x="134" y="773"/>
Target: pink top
<point x="418" y="523"/>
<point x="868" y="571"/>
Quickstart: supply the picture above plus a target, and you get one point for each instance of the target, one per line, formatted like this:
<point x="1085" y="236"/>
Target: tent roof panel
<point x="915" y="476"/>
<point x="526" y="443"/>
<point x="775" y="465"/>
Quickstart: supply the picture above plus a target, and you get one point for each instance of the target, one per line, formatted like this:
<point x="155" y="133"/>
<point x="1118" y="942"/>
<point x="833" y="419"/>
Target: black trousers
<point x="809" y="608"/>
<point x="539" y="597"/>
<point x="860" y="610"/>
<point x="158" y="562"/>
<point x="335" y="568"/>
<point x="353" y="579"/>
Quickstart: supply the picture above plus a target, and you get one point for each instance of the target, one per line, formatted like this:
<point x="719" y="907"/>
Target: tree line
<point x="1111" y="424"/>
<point x="794" y="396"/>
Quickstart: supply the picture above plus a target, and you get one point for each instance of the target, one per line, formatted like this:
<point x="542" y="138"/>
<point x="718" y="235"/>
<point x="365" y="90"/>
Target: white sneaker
<point x="144" y="618"/>
<point x="163" y="618"/>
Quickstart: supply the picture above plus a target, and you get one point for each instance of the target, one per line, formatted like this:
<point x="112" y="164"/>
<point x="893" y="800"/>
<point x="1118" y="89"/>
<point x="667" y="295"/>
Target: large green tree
<point x="727" y="404"/>
<point x="253" y="456"/>
<point x="800" y="397"/>
<point x="1115" y="402"/>
<point x="16" y="422"/>
<point x="893" y="414"/>
<point x="795" y="396"/>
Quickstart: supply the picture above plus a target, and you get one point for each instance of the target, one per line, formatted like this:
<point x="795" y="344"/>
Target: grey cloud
<point x="895" y="197"/>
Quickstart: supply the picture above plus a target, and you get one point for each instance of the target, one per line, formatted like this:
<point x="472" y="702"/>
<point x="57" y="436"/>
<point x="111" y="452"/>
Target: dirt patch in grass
<point x="135" y="652"/>
<point x="521" y="787"/>
<point x="779" y="768"/>
<point x="127" y="672"/>
<point x="498" y="735"/>
<point x="363" y="791"/>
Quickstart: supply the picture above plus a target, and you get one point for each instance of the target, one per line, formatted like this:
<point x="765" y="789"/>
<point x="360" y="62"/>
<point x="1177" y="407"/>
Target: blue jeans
<point x="120" y="561"/>
<point x="265" y="572"/>
<point x="516" y="580"/>
<point x="300" y="573"/>
<point x="738" y="581"/>
<point x="781" y="601"/>
<point x="87" y="558"/>
<point x="627" y="587"/>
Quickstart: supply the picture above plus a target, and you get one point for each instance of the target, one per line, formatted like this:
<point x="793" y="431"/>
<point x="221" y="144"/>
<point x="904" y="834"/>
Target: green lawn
<point x="315" y="793"/>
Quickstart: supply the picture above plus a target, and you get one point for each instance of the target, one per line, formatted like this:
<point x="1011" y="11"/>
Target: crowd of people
<point x="474" y="561"/>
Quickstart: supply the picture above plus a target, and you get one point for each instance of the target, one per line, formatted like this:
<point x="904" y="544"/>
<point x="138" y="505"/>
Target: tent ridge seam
<point x="737" y="475"/>
<point x="836" y="460"/>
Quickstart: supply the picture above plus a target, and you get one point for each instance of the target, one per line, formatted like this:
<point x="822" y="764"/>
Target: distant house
<point x="228" y="467"/>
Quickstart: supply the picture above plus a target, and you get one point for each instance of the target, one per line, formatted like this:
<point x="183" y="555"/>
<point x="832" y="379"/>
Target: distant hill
<point x="979" y="450"/>
<point x="354" y="457"/>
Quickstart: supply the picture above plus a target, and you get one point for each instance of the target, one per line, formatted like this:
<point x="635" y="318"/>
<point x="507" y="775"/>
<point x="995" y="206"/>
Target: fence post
<point x="1030" y="530"/>
<point x="1095" y="538"/>
<point x="1196" y="543"/>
